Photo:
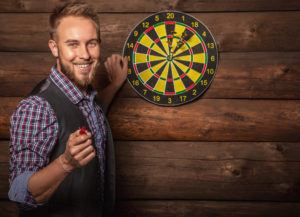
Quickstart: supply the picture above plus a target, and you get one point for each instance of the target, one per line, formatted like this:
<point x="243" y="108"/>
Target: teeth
<point x="83" y="66"/>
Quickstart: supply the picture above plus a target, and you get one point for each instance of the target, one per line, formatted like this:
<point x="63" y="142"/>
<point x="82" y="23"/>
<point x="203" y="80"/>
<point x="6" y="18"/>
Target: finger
<point x="125" y="63"/>
<point x="75" y="150"/>
<point x="84" y="153"/>
<point x="115" y="58"/>
<point x="82" y="137"/>
<point x="87" y="159"/>
<point x="78" y="142"/>
<point x="106" y="66"/>
<point x="109" y="60"/>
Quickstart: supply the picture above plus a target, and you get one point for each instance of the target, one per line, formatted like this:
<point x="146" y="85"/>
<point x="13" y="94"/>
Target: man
<point x="56" y="169"/>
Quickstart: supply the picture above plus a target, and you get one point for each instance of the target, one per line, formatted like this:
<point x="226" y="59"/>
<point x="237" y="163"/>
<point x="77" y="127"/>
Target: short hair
<point x="74" y="8"/>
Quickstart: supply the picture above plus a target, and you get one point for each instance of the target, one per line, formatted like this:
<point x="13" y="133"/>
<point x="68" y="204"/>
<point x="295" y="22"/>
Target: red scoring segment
<point x="82" y="130"/>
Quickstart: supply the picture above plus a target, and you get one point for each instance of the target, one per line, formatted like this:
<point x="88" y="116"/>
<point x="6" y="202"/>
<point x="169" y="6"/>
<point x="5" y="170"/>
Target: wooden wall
<point x="233" y="152"/>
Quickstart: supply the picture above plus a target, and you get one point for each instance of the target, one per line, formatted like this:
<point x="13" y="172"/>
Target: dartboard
<point x="172" y="58"/>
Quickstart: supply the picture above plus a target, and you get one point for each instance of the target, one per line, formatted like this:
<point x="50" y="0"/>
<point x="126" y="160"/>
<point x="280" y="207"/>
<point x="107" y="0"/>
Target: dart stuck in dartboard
<point x="172" y="58"/>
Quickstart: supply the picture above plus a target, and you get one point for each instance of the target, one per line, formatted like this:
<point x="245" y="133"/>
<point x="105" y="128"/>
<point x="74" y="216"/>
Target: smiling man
<point x="56" y="169"/>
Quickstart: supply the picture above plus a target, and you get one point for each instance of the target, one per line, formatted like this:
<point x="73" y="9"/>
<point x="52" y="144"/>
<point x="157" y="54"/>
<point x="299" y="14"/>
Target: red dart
<point x="82" y="130"/>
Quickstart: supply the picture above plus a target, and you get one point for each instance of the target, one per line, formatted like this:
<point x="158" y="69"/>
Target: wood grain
<point x="204" y="120"/>
<point x="178" y="208"/>
<point x="154" y="5"/>
<point x="255" y="75"/>
<point x="169" y="208"/>
<point x="200" y="170"/>
<point x="207" y="120"/>
<point x="246" y="32"/>
<point x="204" y="170"/>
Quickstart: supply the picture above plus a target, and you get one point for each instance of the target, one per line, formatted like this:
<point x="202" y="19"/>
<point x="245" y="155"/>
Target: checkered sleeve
<point x="33" y="134"/>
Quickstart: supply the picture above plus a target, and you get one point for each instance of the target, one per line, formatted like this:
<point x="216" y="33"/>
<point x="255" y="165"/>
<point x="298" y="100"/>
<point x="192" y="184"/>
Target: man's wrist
<point x="117" y="84"/>
<point x="67" y="167"/>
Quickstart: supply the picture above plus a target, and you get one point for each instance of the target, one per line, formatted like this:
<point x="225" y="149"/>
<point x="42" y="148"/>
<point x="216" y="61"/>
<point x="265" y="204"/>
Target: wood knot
<point x="235" y="116"/>
<point x="252" y="29"/>
<point x="279" y="148"/>
<point x="236" y="172"/>
<point x="21" y="5"/>
<point x="285" y="70"/>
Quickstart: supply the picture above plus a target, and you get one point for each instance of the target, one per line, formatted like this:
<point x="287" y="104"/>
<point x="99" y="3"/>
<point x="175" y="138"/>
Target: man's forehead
<point x="76" y="27"/>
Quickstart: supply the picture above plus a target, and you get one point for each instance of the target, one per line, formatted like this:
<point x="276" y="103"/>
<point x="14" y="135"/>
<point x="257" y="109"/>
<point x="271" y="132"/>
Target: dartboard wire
<point x="153" y="73"/>
<point x="139" y="41"/>
<point x="177" y="81"/>
<point x="160" y="79"/>
<point x="154" y="42"/>
<point x="160" y="38"/>
<point x="147" y="61"/>
<point x="156" y="26"/>
<point x="213" y="64"/>
<point x="185" y="73"/>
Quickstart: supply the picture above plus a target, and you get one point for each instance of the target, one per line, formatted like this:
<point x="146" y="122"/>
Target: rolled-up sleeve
<point x="33" y="134"/>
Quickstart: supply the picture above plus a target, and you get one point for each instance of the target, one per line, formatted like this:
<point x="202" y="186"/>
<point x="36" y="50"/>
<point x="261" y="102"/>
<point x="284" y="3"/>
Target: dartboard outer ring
<point x="172" y="58"/>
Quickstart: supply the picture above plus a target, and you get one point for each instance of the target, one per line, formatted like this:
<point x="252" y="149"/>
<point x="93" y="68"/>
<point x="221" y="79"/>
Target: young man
<point x="56" y="169"/>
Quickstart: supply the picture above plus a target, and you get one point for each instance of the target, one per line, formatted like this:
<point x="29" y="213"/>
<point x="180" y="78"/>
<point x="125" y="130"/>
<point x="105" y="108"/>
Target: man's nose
<point x="84" y="53"/>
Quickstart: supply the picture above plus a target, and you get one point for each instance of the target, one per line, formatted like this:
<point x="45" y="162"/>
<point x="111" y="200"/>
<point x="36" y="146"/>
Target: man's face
<point x="78" y="50"/>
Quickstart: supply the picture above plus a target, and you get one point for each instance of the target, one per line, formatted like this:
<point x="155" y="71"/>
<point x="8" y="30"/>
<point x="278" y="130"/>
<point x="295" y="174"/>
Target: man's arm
<point x="79" y="151"/>
<point x="117" y="74"/>
<point x="33" y="135"/>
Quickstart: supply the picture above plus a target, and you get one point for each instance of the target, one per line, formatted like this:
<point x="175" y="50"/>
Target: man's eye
<point x="92" y="44"/>
<point x="73" y="45"/>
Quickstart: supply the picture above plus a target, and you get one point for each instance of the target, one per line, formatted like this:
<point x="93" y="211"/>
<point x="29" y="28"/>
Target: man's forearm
<point x="108" y="93"/>
<point x="45" y="182"/>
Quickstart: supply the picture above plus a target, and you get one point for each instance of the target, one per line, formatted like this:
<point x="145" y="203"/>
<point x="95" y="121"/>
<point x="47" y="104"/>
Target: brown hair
<point x="74" y="8"/>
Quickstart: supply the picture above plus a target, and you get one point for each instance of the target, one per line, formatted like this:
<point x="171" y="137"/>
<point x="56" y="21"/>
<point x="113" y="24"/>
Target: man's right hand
<point x="79" y="151"/>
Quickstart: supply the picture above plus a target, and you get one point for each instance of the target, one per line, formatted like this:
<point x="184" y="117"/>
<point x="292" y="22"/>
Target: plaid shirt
<point x="34" y="132"/>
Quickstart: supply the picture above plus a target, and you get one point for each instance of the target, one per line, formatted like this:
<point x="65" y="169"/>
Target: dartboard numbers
<point x="172" y="58"/>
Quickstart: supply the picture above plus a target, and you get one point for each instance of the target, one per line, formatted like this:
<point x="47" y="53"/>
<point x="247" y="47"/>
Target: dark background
<point x="233" y="152"/>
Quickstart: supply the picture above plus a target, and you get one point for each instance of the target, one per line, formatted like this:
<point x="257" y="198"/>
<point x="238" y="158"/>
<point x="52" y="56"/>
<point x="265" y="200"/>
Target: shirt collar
<point x="69" y="89"/>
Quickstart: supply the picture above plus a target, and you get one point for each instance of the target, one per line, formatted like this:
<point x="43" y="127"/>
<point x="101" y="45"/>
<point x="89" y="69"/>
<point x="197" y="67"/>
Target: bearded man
<point x="56" y="169"/>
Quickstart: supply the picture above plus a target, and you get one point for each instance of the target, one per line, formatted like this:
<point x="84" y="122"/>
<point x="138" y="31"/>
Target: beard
<point x="82" y="84"/>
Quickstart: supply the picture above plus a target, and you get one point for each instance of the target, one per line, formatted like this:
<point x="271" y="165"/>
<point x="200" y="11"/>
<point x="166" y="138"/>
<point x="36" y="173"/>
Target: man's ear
<point x="53" y="47"/>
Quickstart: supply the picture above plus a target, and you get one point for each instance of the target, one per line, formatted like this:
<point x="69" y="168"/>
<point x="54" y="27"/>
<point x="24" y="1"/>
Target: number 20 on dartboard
<point x="172" y="57"/>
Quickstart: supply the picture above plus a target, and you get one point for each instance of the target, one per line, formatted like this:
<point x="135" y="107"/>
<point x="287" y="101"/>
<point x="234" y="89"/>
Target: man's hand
<point x="79" y="151"/>
<point x="117" y="67"/>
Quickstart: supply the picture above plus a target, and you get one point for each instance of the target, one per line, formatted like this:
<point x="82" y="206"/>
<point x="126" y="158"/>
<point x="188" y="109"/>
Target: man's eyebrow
<point x="71" y="41"/>
<point x="93" y="39"/>
<point x="76" y="41"/>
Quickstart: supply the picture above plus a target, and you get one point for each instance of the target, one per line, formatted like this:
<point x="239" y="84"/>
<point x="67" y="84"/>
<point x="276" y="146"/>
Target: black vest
<point x="79" y="195"/>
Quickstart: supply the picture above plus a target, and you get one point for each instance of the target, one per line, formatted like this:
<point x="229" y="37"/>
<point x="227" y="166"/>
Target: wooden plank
<point x="207" y="120"/>
<point x="200" y="170"/>
<point x="264" y="31"/>
<point x="168" y="208"/>
<point x="203" y="120"/>
<point x="215" y="171"/>
<point x="153" y="6"/>
<point x="232" y="5"/>
<point x="178" y="208"/>
<point x="258" y="75"/>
